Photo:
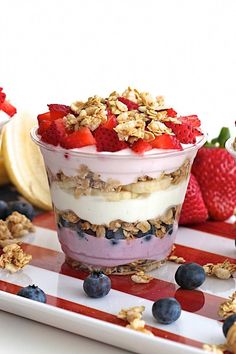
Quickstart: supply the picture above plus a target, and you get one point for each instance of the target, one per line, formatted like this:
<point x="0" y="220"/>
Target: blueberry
<point x="97" y="285"/>
<point x="147" y="237"/>
<point x="190" y="276"/>
<point x="166" y="310"/>
<point x="33" y="292"/>
<point x="3" y="209"/>
<point x="148" y="233"/>
<point x="63" y="222"/>
<point x="114" y="242"/>
<point x="23" y="208"/>
<point x="228" y="323"/>
<point x="79" y="231"/>
<point x="116" y="235"/>
<point x="169" y="229"/>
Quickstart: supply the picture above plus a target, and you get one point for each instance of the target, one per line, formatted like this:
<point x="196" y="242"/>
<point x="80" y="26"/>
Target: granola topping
<point x="15" y="226"/>
<point x="223" y="270"/>
<point x="228" y="307"/>
<point x="14" y="258"/>
<point x="133" y="315"/>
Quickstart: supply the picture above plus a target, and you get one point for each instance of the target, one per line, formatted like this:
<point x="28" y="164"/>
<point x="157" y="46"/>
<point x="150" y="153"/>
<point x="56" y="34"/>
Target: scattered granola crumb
<point x="14" y="258"/>
<point x="215" y="348"/>
<point x="176" y="259"/>
<point x="223" y="270"/>
<point x="141" y="278"/>
<point x="133" y="315"/>
<point x="228" y="307"/>
<point x="19" y="225"/>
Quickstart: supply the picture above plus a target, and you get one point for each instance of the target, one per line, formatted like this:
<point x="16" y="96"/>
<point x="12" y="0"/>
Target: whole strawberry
<point x="193" y="210"/>
<point x="215" y="171"/>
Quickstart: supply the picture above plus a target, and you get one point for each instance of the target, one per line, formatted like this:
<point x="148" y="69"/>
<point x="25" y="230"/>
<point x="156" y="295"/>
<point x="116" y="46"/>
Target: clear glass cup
<point x="117" y="213"/>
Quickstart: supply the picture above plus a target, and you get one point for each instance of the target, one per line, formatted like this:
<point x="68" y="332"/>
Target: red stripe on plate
<point x="46" y="220"/>
<point x="200" y="256"/>
<point x="219" y="228"/>
<point x="101" y="315"/>
<point x="192" y="301"/>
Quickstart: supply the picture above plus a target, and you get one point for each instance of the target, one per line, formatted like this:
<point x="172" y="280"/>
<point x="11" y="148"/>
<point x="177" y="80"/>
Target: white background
<point x="63" y="50"/>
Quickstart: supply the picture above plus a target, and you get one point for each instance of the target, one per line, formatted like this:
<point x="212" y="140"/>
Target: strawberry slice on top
<point x="141" y="146"/>
<point x="55" y="133"/>
<point x="166" y="141"/>
<point x="6" y="106"/>
<point x="107" y="140"/>
<point x="130" y="104"/>
<point x="184" y="132"/>
<point x="79" y="138"/>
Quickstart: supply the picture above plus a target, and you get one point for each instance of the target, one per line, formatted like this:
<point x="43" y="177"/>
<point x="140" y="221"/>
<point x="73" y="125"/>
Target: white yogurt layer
<point x="97" y="210"/>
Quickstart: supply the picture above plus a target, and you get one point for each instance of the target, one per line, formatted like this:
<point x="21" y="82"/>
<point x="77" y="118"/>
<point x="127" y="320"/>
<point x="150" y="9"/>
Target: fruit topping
<point x="33" y="292"/>
<point x="166" y="310"/>
<point x="111" y="121"/>
<point x="55" y="133"/>
<point x="193" y="209"/>
<point x="107" y="140"/>
<point x="130" y="105"/>
<point x="171" y="113"/>
<point x="78" y="139"/>
<point x="166" y="141"/>
<point x="6" y="106"/>
<point x="190" y="276"/>
<point x="184" y="132"/>
<point x="141" y="146"/>
<point x="97" y="285"/>
<point x="63" y="109"/>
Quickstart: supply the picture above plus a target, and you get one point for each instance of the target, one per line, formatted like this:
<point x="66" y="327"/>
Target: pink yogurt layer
<point x="101" y="252"/>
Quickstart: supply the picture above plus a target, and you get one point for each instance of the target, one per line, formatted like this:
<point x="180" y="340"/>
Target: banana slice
<point x="24" y="162"/>
<point x="148" y="186"/>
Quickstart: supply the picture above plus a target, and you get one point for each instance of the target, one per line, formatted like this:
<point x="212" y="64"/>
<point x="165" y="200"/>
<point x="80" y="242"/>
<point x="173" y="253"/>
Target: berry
<point x="228" y="323"/>
<point x="111" y="121"/>
<point x="130" y="104"/>
<point x="44" y="116"/>
<point x="63" y="109"/>
<point x="140" y="146"/>
<point x="55" y="133"/>
<point x="2" y="96"/>
<point x="193" y="209"/>
<point x="116" y="235"/>
<point x="63" y="222"/>
<point x="43" y="126"/>
<point x="150" y="232"/>
<point x="215" y="171"/>
<point x="166" y="141"/>
<point x="8" y="108"/>
<point x="22" y="208"/>
<point x="107" y="140"/>
<point x="33" y="292"/>
<point x="78" y="139"/>
<point x="166" y="310"/>
<point x="193" y="120"/>
<point x="190" y="276"/>
<point x="97" y="285"/>
<point x="184" y="132"/>
<point x="171" y="113"/>
<point x="3" y="209"/>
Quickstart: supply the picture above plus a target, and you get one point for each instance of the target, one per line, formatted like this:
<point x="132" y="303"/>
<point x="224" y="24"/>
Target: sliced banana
<point x="24" y="162"/>
<point x="148" y="186"/>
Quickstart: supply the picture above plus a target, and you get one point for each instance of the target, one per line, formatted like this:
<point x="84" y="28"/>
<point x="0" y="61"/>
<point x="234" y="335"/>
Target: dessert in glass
<point x="118" y="169"/>
<point x="6" y="109"/>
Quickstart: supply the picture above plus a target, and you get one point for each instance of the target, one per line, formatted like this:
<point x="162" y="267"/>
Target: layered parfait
<point x="7" y="110"/>
<point x="118" y="170"/>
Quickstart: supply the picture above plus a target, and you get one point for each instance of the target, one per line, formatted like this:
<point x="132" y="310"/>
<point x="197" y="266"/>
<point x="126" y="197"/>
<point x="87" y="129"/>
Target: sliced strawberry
<point x="130" y="104"/>
<point x="171" y="113"/>
<point x="107" y="140"/>
<point x="192" y="120"/>
<point x="111" y="121"/>
<point x="55" y="133"/>
<point x="8" y="108"/>
<point x="184" y="132"/>
<point x="140" y="146"/>
<point x="44" y="116"/>
<point x="62" y="108"/>
<point x="2" y="96"/>
<point x="54" y="115"/>
<point x="166" y="141"/>
<point x="43" y="126"/>
<point x="78" y="139"/>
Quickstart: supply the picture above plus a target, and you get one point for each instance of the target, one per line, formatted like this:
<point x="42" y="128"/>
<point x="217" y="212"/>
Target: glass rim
<point x="108" y="155"/>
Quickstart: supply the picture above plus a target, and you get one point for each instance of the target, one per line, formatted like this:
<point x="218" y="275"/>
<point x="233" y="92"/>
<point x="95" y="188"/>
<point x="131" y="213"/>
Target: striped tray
<point x="68" y="307"/>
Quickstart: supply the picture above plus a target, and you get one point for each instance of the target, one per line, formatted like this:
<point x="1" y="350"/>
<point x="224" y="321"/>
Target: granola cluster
<point x="133" y="315"/>
<point x="15" y="226"/>
<point x="223" y="270"/>
<point x="14" y="258"/>
<point x="159" y="226"/>
<point x="87" y="182"/>
<point x="228" y="307"/>
<point x="141" y="278"/>
<point x="145" y="120"/>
